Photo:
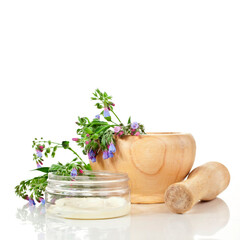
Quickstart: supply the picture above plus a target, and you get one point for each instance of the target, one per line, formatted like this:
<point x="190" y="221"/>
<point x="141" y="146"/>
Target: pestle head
<point x="178" y="198"/>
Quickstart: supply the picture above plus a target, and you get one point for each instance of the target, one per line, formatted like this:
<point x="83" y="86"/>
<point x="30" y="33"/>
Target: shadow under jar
<point x="92" y="195"/>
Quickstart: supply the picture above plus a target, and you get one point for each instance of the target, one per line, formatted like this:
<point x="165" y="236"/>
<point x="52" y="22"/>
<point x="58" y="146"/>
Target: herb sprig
<point x="94" y="137"/>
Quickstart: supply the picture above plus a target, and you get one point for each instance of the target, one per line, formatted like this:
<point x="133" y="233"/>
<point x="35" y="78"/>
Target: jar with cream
<point x="92" y="195"/>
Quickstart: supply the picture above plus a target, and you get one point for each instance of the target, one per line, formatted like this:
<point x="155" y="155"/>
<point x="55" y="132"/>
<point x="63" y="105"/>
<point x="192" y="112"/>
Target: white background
<point x="171" y="65"/>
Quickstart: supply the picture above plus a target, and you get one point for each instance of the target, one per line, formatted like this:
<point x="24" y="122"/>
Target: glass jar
<point x="92" y="195"/>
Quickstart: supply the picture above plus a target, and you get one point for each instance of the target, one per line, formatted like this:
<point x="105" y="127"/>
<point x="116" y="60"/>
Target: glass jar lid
<point x="90" y="183"/>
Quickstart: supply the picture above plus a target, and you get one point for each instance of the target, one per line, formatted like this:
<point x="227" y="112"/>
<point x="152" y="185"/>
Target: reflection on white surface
<point x="205" y="219"/>
<point x="117" y="228"/>
<point x="147" y="221"/>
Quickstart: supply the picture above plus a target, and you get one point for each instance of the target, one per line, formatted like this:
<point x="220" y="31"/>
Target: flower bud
<point x="75" y="139"/>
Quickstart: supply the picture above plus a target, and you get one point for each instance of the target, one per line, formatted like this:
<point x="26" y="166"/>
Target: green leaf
<point x="95" y="136"/>
<point x="129" y="120"/>
<point x="108" y="118"/>
<point x="53" y="154"/>
<point x="42" y="169"/>
<point x="65" y="144"/>
<point x="104" y="128"/>
<point x="48" y="150"/>
<point x="103" y="142"/>
<point x="46" y="155"/>
<point x="55" y="148"/>
<point x="54" y="167"/>
<point x="49" y="142"/>
<point x="94" y="145"/>
<point x="81" y="144"/>
<point x="88" y="167"/>
<point x="97" y="122"/>
<point x="98" y="105"/>
<point x="93" y="98"/>
<point x="89" y="130"/>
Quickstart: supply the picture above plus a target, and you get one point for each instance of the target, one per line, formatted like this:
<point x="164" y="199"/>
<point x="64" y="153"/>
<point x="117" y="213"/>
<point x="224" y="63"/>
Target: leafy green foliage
<point x="35" y="187"/>
<point x="88" y="167"/>
<point x="94" y="136"/>
<point x="103" y="98"/>
<point x="127" y="130"/>
<point x="65" y="170"/>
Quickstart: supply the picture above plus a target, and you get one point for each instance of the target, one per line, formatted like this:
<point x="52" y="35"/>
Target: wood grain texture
<point x="203" y="183"/>
<point x="153" y="162"/>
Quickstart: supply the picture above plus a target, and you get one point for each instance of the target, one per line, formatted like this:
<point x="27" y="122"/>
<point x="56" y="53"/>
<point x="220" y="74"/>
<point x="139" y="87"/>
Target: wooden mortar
<point x="204" y="183"/>
<point x="153" y="162"/>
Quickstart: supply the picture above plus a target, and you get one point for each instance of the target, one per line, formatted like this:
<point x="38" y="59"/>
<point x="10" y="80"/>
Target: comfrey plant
<point x="94" y="137"/>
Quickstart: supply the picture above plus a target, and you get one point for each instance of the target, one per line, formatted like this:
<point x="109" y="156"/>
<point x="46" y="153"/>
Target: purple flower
<point x="31" y="202"/>
<point x="117" y="129"/>
<point x="91" y="154"/>
<point x="105" y="155"/>
<point x="134" y="125"/>
<point x="106" y="113"/>
<point x="75" y="139"/>
<point x="110" y="154"/>
<point x="93" y="159"/>
<point x="74" y="172"/>
<point x="97" y="116"/>
<point x="38" y="165"/>
<point x="112" y="148"/>
<point x="39" y="154"/>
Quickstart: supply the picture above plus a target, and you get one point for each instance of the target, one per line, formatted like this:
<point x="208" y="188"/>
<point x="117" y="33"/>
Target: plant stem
<point x="47" y="142"/>
<point x="105" y="128"/>
<point x="87" y="119"/>
<point x="77" y="155"/>
<point x="114" y="122"/>
<point x="116" y="116"/>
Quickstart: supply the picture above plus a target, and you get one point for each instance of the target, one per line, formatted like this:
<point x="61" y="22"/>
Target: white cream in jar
<point x="93" y="195"/>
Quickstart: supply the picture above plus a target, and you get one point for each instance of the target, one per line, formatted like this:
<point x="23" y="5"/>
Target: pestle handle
<point x="203" y="183"/>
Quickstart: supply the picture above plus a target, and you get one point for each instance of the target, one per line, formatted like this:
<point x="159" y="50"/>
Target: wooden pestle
<point x="203" y="183"/>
